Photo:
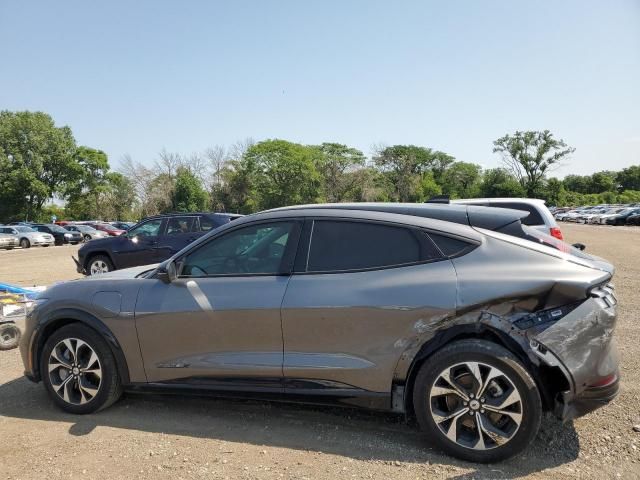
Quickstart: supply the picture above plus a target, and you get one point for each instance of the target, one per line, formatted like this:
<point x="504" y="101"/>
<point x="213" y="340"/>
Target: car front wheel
<point x="477" y="401"/>
<point x="100" y="264"/>
<point x="79" y="370"/>
<point x="25" y="243"/>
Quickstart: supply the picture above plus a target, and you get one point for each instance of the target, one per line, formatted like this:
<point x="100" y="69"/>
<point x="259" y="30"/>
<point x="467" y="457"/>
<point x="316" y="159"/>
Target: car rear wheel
<point x="25" y="243"/>
<point x="100" y="264"/>
<point x="477" y="401"/>
<point x="79" y="370"/>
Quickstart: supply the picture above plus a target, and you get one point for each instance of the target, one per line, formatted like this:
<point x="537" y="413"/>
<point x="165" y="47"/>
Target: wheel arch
<point x="69" y="316"/>
<point x="549" y="380"/>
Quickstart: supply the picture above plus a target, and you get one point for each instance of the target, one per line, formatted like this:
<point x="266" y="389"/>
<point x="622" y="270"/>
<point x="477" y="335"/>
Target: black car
<point x="60" y="234"/>
<point x="153" y="240"/>
<point x="620" y="218"/>
<point x="633" y="219"/>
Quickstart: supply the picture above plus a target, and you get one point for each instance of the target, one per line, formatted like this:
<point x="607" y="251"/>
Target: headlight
<point x="67" y="234"/>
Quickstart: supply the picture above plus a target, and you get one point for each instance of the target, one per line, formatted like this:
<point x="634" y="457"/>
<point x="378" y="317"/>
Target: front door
<point x="138" y="246"/>
<point x="219" y="322"/>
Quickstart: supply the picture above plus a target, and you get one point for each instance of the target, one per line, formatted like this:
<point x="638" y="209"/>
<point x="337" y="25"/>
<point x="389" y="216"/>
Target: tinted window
<point x="337" y="245"/>
<point x="177" y="225"/>
<point x="207" y="224"/>
<point x="249" y="250"/>
<point x="533" y="218"/>
<point x="147" y="229"/>
<point x="448" y="245"/>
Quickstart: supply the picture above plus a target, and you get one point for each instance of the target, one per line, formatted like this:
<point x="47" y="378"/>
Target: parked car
<point x="27" y="236"/>
<point x="60" y="235"/>
<point x="620" y="218"/>
<point x="633" y="219"/>
<point x="151" y="241"/>
<point x="8" y="241"/>
<point x="466" y="327"/>
<point x="123" y="225"/>
<point x="87" y="232"/>
<point x="539" y="215"/>
<point x="106" y="228"/>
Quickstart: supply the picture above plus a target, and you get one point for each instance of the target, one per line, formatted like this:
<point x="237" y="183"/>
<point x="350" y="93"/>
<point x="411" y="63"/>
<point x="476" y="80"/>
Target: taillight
<point x="556" y="232"/>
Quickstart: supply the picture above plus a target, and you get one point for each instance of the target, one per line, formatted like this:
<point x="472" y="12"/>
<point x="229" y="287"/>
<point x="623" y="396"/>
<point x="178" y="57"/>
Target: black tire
<point x="25" y="243"/>
<point x="87" y="238"/>
<point x="106" y="261"/>
<point x="492" y="355"/>
<point x="109" y="389"/>
<point x="9" y="336"/>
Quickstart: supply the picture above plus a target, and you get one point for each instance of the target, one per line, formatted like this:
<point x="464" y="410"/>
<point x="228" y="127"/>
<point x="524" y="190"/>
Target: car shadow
<point x="356" y="434"/>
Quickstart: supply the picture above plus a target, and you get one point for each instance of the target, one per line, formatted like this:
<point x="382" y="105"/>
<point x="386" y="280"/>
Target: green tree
<point x="603" y="182"/>
<point x="188" y="193"/>
<point x="280" y="173"/>
<point x="530" y="155"/>
<point x="36" y="162"/>
<point x="629" y="178"/>
<point x="461" y="180"/>
<point x="403" y="165"/>
<point x="554" y="192"/>
<point x="90" y="184"/>
<point x="335" y="162"/>
<point x="577" y="183"/>
<point x="499" y="182"/>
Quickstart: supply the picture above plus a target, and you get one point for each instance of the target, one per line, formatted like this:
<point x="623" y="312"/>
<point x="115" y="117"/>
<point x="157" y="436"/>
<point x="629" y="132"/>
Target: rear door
<point x="361" y="294"/>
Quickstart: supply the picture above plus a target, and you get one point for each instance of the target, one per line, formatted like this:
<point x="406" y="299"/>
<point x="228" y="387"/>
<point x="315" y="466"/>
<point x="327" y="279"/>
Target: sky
<point x="138" y="77"/>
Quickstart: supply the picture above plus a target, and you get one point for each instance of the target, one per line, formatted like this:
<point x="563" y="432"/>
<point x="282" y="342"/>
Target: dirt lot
<point x="174" y="437"/>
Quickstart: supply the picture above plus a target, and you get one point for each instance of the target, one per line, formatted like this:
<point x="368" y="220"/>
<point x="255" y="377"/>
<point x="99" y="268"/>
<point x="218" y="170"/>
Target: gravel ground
<point x="175" y="437"/>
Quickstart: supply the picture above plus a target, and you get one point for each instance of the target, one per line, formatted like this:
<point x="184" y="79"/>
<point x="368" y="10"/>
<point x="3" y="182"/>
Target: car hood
<point x="126" y="273"/>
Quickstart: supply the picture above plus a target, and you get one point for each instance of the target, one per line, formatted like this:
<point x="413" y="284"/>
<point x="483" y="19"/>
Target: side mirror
<point x="168" y="273"/>
<point x="579" y="246"/>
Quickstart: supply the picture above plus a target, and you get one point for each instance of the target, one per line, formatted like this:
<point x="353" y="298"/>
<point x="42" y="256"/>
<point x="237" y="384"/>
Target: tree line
<point x="40" y="162"/>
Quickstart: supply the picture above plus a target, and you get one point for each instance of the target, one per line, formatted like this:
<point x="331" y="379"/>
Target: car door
<point x="178" y="233"/>
<point x="219" y="322"/>
<point x="139" y="246"/>
<point x="363" y="294"/>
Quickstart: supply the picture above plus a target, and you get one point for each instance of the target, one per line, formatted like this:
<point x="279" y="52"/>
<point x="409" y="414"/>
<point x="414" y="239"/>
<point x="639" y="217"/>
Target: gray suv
<point x="474" y="331"/>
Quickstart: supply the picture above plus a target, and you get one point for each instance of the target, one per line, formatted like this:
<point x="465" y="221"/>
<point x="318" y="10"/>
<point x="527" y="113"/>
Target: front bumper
<point x="581" y="344"/>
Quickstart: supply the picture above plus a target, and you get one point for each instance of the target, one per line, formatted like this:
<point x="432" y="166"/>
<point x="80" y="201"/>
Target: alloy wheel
<point x="98" y="267"/>
<point x="476" y="405"/>
<point x="75" y="371"/>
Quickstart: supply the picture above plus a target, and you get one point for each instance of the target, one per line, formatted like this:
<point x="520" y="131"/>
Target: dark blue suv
<point x="152" y="240"/>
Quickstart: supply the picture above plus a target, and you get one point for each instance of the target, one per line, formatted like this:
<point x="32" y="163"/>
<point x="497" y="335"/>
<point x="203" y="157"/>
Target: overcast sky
<point x="136" y="77"/>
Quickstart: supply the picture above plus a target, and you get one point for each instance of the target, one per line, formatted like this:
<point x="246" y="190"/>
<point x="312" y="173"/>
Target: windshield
<point x="85" y="229"/>
<point x="57" y="228"/>
<point x="24" y="229"/>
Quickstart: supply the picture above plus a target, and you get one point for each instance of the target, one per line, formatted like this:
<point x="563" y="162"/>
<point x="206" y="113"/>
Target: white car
<point x="27" y="236"/>
<point x="539" y="217"/>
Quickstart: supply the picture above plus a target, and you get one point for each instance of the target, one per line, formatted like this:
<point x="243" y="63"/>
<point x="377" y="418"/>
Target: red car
<point x="107" y="228"/>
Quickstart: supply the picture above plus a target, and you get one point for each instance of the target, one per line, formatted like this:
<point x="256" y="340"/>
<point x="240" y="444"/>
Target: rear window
<point x="534" y="217"/>
<point x="344" y="245"/>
